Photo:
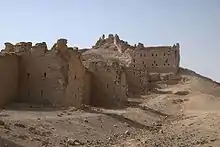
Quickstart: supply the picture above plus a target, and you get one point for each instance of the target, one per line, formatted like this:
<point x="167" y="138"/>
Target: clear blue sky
<point x="195" y="24"/>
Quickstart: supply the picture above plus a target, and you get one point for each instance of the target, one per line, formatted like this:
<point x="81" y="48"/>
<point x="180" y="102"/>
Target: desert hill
<point x="182" y="110"/>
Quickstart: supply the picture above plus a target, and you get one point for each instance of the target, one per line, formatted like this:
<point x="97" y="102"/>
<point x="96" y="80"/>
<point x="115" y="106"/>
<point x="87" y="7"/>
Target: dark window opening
<point x="45" y="74"/>
<point x="107" y="85"/>
<point x="164" y="54"/>
<point x="152" y="54"/>
<point x="41" y="93"/>
<point x="143" y="62"/>
<point x="154" y="61"/>
<point x="75" y="96"/>
<point x="74" y="77"/>
<point x="133" y="60"/>
<point x="28" y="74"/>
<point x="145" y="66"/>
<point x="156" y="65"/>
<point x="134" y="65"/>
<point x="168" y="64"/>
<point x="156" y="54"/>
<point x="140" y="55"/>
<point x="152" y="64"/>
<point x="164" y="64"/>
<point x="166" y="61"/>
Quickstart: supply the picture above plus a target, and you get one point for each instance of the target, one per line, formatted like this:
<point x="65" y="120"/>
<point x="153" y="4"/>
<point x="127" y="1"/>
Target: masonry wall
<point x="156" y="59"/>
<point x="8" y="78"/>
<point x="109" y="87"/>
<point x="54" y="77"/>
<point x="137" y="80"/>
<point x="78" y="88"/>
<point x="41" y="80"/>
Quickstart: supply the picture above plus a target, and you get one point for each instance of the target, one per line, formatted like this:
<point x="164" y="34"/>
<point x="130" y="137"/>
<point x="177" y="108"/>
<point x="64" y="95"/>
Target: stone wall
<point x="161" y="59"/>
<point x="8" y="78"/>
<point x="53" y="77"/>
<point x="108" y="84"/>
<point x="137" y="80"/>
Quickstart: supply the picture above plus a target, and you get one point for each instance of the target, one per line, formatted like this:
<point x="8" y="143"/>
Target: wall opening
<point x="133" y="60"/>
<point x="175" y="54"/>
<point x="107" y="85"/>
<point x="28" y="75"/>
<point x="152" y="55"/>
<point x="140" y="55"/>
<point x="143" y="62"/>
<point x="144" y="55"/>
<point x="74" y="77"/>
<point x="45" y="75"/>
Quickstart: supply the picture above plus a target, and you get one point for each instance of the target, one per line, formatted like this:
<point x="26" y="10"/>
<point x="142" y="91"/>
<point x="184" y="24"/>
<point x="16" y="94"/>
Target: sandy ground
<point x="182" y="115"/>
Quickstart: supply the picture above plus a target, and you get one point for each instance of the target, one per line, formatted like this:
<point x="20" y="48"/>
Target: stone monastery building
<point x="64" y="76"/>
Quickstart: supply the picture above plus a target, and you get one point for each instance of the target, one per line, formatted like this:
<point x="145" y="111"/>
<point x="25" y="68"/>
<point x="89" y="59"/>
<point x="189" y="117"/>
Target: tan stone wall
<point x="41" y="80"/>
<point x="137" y="80"/>
<point x="78" y="88"/>
<point x="156" y="59"/>
<point x="109" y="87"/>
<point x="54" y="77"/>
<point x="8" y="78"/>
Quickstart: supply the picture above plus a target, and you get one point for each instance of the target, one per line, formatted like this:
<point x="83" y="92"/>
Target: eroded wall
<point x="137" y="80"/>
<point x="51" y="77"/>
<point x="162" y="59"/>
<point x="108" y="84"/>
<point x="8" y="78"/>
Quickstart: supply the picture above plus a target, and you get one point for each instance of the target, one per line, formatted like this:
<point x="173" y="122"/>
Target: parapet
<point x="39" y="48"/>
<point x="9" y="47"/>
<point x="60" y="44"/>
<point x="23" y="46"/>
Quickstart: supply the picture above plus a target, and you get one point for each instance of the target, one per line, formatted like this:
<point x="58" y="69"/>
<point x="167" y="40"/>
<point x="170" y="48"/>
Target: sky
<point x="195" y="24"/>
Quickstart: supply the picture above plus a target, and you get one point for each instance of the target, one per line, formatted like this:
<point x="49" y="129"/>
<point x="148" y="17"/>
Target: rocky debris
<point x="20" y="125"/>
<point x="2" y="123"/>
<point x="184" y="92"/>
<point x="39" y="131"/>
<point x="71" y="142"/>
<point x="24" y="137"/>
<point x="177" y="101"/>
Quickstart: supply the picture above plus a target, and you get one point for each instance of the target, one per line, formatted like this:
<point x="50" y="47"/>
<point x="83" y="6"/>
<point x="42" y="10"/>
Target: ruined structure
<point x="108" y="80"/>
<point x="144" y="65"/>
<point x="53" y="77"/>
<point x="101" y="76"/>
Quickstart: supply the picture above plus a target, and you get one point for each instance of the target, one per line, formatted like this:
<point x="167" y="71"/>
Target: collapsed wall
<point x="8" y="78"/>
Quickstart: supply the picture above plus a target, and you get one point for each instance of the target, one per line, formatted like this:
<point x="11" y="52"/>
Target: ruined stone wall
<point x="8" y="78"/>
<point x="162" y="59"/>
<point x="137" y="80"/>
<point x="50" y="77"/>
<point x="108" y="84"/>
<point x="78" y="88"/>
